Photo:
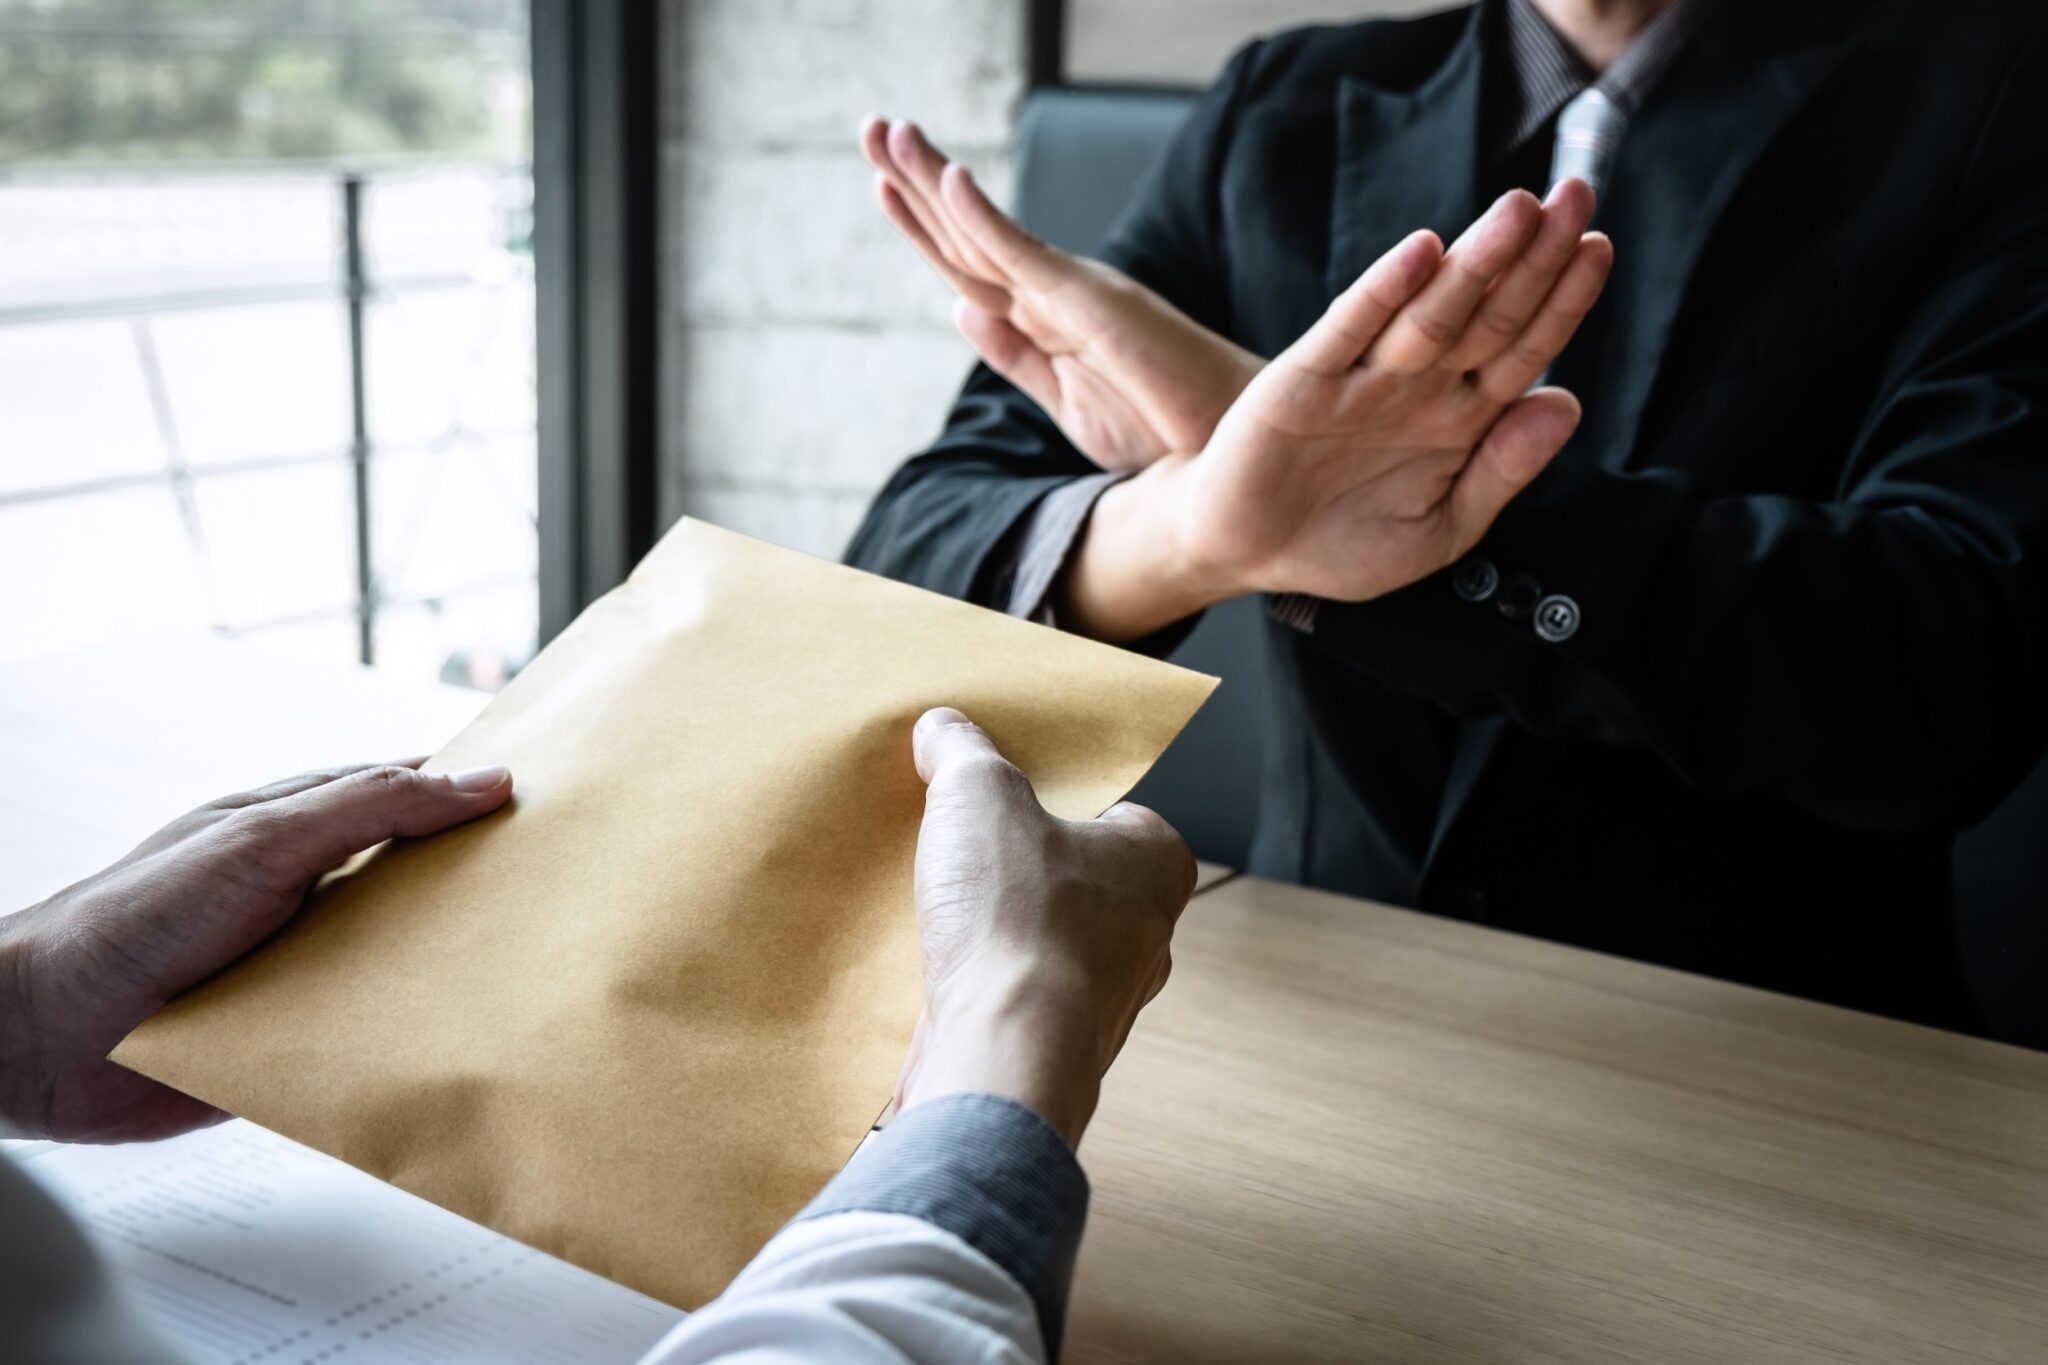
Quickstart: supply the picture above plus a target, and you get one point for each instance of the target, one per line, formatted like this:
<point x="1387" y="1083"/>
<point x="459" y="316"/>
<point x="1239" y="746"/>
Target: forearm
<point x="1129" y="576"/>
<point x="24" y="1102"/>
<point x="947" y="518"/>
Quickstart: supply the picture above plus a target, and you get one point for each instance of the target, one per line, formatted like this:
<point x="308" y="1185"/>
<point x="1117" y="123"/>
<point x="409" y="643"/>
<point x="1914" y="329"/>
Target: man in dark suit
<point x="1717" y="689"/>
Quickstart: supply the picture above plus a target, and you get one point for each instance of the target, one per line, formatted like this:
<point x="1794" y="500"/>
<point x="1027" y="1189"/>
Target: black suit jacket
<point x="1805" y="518"/>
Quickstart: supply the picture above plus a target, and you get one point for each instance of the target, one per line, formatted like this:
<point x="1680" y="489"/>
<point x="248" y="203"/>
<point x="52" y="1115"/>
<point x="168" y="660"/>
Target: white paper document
<point x="243" y="1247"/>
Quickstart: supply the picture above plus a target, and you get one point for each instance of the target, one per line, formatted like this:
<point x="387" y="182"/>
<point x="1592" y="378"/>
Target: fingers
<point x="1428" y="327"/>
<point x="978" y="249"/>
<point x="908" y="186"/>
<point x="1527" y="357"/>
<point x="896" y="209"/>
<point x="911" y="168"/>
<point x="295" y="838"/>
<point x="931" y="235"/>
<point x="924" y="165"/>
<point x="1514" y="452"/>
<point x="1010" y="354"/>
<point x="956" y="756"/>
<point x="193" y="821"/>
<point x="1358" y="316"/>
<point x="292" y="786"/>
<point x="1514" y="299"/>
<point x="997" y="237"/>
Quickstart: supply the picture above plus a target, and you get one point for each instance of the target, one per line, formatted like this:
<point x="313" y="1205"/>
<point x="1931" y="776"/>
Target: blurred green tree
<point x="162" y="80"/>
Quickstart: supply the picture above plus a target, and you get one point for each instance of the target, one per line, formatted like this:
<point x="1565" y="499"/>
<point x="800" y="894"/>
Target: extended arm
<point x="1368" y="451"/>
<point x="949" y="519"/>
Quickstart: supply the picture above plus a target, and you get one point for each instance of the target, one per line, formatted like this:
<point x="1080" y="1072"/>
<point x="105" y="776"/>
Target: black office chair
<point x="1078" y="154"/>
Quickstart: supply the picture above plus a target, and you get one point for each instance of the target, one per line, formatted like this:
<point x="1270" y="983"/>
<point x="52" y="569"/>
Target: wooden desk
<point x="1352" y="1133"/>
<point x="1344" y="1132"/>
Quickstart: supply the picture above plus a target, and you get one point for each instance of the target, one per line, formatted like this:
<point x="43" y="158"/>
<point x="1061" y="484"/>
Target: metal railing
<point x="357" y="288"/>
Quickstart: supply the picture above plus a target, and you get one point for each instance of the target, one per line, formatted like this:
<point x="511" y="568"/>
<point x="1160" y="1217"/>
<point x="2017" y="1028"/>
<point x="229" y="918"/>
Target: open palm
<point x="1382" y="444"/>
<point x="1128" y="377"/>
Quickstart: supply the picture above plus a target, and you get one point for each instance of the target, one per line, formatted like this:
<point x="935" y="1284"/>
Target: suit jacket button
<point x="1475" y="580"/>
<point x="1518" y="597"/>
<point x="1557" y="618"/>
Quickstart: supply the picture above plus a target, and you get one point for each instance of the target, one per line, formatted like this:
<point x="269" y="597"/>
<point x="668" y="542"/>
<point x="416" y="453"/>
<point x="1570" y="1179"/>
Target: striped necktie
<point x="1588" y="131"/>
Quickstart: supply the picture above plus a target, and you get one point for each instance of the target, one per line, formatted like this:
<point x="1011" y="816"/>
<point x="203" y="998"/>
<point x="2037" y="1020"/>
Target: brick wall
<point x="806" y="351"/>
<point x="1186" y="40"/>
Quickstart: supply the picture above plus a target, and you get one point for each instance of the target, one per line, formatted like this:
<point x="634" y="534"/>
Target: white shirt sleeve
<point x="862" y="1289"/>
<point x="950" y="1237"/>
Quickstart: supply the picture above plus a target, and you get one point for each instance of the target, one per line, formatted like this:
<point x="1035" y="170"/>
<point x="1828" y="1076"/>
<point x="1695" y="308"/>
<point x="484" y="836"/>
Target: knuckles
<point x="983" y="775"/>
<point x="259" y="826"/>
<point x="390" y="778"/>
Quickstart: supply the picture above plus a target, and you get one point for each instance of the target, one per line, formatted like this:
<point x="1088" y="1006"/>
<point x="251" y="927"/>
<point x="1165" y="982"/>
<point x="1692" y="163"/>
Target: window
<point x="266" y="327"/>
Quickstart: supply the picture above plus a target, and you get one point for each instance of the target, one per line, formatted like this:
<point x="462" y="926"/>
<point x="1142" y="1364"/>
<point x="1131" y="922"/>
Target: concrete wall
<point x="806" y="350"/>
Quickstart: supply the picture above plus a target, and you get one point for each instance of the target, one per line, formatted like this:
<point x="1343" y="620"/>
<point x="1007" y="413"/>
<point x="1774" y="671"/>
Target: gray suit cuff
<point x="1294" y="609"/>
<point x="1048" y="542"/>
<point x="991" y="1172"/>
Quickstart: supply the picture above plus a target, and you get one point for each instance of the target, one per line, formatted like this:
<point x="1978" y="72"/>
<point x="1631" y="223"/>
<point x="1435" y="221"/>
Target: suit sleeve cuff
<point x="1294" y="609"/>
<point x="1048" y="542"/>
<point x="988" y="1170"/>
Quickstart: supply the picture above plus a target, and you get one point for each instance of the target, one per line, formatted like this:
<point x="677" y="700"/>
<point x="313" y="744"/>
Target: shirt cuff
<point x="1294" y="609"/>
<point x="1048" y="540"/>
<point x="988" y="1170"/>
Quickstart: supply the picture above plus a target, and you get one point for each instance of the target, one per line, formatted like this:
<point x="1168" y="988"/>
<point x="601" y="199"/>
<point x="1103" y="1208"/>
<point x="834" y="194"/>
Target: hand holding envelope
<point x="640" y="1016"/>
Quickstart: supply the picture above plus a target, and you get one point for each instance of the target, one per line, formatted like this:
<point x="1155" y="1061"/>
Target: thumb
<point x="1517" y="448"/>
<point x="300" y="836"/>
<point x="944" y="742"/>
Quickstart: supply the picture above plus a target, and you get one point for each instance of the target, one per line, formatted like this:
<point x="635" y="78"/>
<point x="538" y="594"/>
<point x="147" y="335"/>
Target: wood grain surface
<point x="1352" y="1133"/>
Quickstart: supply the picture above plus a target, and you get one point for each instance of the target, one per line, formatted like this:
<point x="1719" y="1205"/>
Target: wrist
<point x="1228" y="371"/>
<point x="24" y="1106"/>
<point x="1023" y="1031"/>
<point x="1244" y="368"/>
<point x="1132" y="574"/>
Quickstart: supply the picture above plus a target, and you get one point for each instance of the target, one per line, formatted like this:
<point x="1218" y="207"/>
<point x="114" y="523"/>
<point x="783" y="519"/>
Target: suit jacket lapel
<point x="1698" y="136"/>
<point x="1406" y="159"/>
<point x="1678" y="168"/>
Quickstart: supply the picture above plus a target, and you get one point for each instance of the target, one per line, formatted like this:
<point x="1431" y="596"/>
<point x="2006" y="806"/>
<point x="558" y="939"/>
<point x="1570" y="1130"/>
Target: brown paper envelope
<point x="640" y="1017"/>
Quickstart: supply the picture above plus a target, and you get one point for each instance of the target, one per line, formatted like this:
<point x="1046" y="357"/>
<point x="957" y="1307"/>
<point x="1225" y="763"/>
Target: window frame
<point x="596" y="172"/>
